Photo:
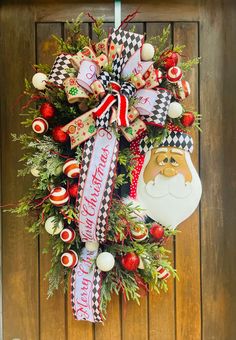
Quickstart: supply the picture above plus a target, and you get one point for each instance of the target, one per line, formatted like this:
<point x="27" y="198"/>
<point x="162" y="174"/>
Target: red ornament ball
<point x="187" y="119"/>
<point x="157" y="231"/>
<point x="130" y="261"/>
<point x="59" y="135"/>
<point x="170" y="59"/>
<point x="73" y="190"/>
<point x="47" y="110"/>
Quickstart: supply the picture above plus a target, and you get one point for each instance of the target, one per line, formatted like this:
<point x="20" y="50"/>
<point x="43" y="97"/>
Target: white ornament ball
<point x="53" y="226"/>
<point x="175" y="110"/>
<point x="35" y="172"/>
<point x="91" y="246"/>
<point x="71" y="168"/>
<point x="105" y="261"/>
<point x="39" y="81"/>
<point x="40" y="125"/>
<point x="147" y="52"/>
<point x="59" y="196"/>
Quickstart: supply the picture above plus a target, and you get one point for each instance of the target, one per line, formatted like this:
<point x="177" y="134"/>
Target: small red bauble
<point x="187" y="119"/>
<point x="157" y="231"/>
<point x="47" y="110"/>
<point x="73" y="190"/>
<point x="59" y="135"/>
<point x="170" y="59"/>
<point x="130" y="261"/>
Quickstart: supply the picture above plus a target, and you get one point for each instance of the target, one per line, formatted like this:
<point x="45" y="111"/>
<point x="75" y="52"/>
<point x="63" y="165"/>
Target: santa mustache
<point x="175" y="186"/>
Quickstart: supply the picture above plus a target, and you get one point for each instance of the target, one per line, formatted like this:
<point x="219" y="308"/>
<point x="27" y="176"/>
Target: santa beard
<point x="169" y="200"/>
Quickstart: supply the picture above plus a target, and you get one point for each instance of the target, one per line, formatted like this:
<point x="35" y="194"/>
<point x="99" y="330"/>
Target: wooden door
<point x="202" y="304"/>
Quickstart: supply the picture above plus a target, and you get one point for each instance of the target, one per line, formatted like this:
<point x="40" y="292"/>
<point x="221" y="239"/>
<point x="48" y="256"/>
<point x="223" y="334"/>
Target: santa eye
<point x="163" y="161"/>
<point x="173" y="162"/>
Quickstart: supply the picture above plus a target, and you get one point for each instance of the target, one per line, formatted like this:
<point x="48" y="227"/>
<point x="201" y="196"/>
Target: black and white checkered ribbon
<point x="174" y="138"/>
<point x="86" y="281"/>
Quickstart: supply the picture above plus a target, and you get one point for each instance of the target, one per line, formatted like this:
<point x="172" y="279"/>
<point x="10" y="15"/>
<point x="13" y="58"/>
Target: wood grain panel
<point x="52" y="311"/>
<point x="188" y="308"/>
<point x="19" y="249"/>
<point x="59" y="11"/>
<point x="162" y="307"/>
<point x="182" y="10"/>
<point x="218" y="170"/>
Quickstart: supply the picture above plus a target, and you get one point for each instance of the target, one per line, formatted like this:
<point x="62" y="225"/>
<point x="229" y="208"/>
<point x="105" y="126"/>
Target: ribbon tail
<point x="105" y="105"/>
<point x="86" y="282"/>
<point x="122" y="111"/>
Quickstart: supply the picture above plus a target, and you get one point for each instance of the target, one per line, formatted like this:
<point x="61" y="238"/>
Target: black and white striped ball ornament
<point x="71" y="168"/>
<point x="59" y="196"/>
<point x="174" y="74"/>
<point x="69" y="259"/>
<point x="40" y="125"/>
<point x="67" y="235"/>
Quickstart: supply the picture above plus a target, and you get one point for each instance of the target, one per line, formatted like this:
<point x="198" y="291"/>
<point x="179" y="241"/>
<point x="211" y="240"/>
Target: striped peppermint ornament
<point x="67" y="235"/>
<point x="174" y="74"/>
<point x="69" y="259"/>
<point x="183" y="90"/>
<point x="40" y="125"/>
<point x="139" y="233"/>
<point x="162" y="273"/>
<point x="59" y="196"/>
<point x="71" y="168"/>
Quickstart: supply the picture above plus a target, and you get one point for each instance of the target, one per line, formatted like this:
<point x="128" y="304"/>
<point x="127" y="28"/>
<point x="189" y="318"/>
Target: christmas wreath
<point x="109" y="149"/>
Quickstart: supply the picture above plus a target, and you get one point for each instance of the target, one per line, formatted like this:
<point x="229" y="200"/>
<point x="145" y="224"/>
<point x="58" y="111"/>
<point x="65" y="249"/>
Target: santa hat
<point x="178" y="139"/>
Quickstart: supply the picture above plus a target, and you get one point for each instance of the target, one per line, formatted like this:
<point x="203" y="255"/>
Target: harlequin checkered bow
<point x="119" y="95"/>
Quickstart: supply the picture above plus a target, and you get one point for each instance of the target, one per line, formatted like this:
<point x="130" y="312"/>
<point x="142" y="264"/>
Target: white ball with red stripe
<point x="183" y="90"/>
<point x="174" y="74"/>
<point x="40" y="125"/>
<point x="139" y="233"/>
<point x="162" y="273"/>
<point x="67" y="235"/>
<point x="71" y="168"/>
<point x="69" y="259"/>
<point x="59" y="196"/>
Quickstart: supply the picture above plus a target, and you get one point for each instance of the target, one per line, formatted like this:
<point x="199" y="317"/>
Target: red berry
<point x="157" y="231"/>
<point x="187" y="119"/>
<point x="73" y="190"/>
<point x="47" y="110"/>
<point x="130" y="261"/>
<point x="169" y="59"/>
<point x="59" y="135"/>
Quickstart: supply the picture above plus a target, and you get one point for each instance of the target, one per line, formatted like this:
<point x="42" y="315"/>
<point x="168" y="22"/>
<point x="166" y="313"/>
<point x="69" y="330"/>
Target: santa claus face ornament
<point x="169" y="188"/>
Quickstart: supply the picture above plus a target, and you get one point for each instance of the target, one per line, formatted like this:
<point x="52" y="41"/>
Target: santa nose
<point x="169" y="172"/>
